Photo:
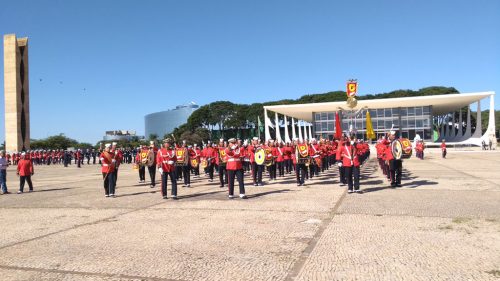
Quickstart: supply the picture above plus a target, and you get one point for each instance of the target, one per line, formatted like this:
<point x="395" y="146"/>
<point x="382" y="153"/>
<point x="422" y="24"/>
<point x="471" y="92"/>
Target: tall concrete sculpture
<point x="16" y="89"/>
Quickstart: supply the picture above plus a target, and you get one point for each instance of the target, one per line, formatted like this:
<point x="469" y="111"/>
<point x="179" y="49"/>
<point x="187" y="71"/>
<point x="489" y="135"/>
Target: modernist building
<point x="163" y="122"/>
<point x="16" y="89"/>
<point x="433" y="118"/>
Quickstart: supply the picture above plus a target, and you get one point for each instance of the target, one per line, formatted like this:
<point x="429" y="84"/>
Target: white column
<point x="479" y="131"/>
<point x="305" y="130"/>
<point x="310" y="132"/>
<point x="452" y="133"/>
<point x="460" y="126"/>
<point x="267" y="124"/>
<point x="277" y="122"/>
<point x="490" y="132"/>
<point x="294" y="136"/>
<point x="468" y="128"/>
<point x="441" y="133"/>
<point x="287" y="136"/>
<point x="300" y="131"/>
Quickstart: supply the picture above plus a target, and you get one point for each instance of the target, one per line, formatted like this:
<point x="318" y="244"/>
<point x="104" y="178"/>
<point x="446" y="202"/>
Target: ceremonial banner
<point x="338" y="126"/>
<point x="370" y="134"/>
<point x="352" y="88"/>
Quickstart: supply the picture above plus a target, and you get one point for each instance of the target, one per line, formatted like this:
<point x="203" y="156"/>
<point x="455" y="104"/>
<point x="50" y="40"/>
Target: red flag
<point x="338" y="126"/>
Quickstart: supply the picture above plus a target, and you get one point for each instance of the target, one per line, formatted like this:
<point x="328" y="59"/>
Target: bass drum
<point x="407" y="148"/>
<point x="194" y="163"/>
<point x="401" y="149"/>
<point x="204" y="163"/>
<point x="397" y="149"/>
<point x="260" y="156"/>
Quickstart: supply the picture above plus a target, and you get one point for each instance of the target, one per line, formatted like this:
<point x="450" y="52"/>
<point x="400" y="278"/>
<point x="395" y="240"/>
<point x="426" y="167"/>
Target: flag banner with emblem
<point x="259" y="124"/>
<point x="370" y="134"/>
<point x="338" y="126"/>
<point x="352" y="88"/>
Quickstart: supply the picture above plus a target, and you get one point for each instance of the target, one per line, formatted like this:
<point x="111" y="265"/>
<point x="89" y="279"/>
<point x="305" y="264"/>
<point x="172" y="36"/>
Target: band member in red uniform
<point x="443" y="148"/>
<point x="221" y="162"/>
<point x="234" y="168"/>
<point x="141" y="160"/>
<point x="287" y="157"/>
<point x="25" y="171"/>
<point x="300" y="160"/>
<point x="108" y="167"/>
<point x="257" y="170"/>
<point x="395" y="166"/>
<point x="186" y="166"/>
<point x="210" y="155"/>
<point x="338" y="158"/>
<point x="350" y="162"/>
<point x="151" y="163"/>
<point x="118" y="157"/>
<point x="195" y="153"/>
<point x="271" y="147"/>
<point x="165" y="160"/>
<point x="280" y="159"/>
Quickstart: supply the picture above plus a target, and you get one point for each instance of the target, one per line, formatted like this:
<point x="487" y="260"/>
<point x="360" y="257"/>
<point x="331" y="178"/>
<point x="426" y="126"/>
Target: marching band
<point x="234" y="158"/>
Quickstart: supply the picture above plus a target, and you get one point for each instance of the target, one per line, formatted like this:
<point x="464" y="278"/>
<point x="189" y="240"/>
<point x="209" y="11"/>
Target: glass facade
<point x="163" y="122"/>
<point x="406" y="121"/>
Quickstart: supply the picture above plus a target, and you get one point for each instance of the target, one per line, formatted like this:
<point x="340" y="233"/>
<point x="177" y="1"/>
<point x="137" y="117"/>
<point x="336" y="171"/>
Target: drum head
<point x="406" y="145"/>
<point x="194" y="162"/>
<point x="204" y="163"/>
<point x="303" y="150"/>
<point x="397" y="149"/>
<point x="260" y="156"/>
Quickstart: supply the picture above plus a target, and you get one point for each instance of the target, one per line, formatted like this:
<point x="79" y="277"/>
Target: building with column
<point x="163" y="122"/>
<point x="433" y="118"/>
<point x="16" y="91"/>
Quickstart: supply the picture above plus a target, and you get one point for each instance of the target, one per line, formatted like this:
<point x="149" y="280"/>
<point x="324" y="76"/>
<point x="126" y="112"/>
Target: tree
<point x="153" y="137"/>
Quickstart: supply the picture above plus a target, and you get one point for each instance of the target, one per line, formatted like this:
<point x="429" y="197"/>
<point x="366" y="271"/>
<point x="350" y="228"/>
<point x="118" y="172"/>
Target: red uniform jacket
<point x="107" y="162"/>
<point x="288" y="151"/>
<point x="233" y="159"/>
<point x="165" y="159"/>
<point x="25" y="168"/>
<point x="211" y="153"/>
<point x="349" y="152"/>
<point x="251" y="153"/>
<point x="388" y="153"/>
<point x="280" y="153"/>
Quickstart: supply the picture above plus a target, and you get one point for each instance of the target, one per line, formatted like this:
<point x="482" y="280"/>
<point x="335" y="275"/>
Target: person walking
<point x="165" y="160"/>
<point x="4" y="163"/>
<point x="234" y="168"/>
<point x="443" y="148"/>
<point x="108" y="161"/>
<point x="25" y="171"/>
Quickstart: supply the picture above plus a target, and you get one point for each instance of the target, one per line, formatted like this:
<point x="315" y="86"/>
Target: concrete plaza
<point x="443" y="224"/>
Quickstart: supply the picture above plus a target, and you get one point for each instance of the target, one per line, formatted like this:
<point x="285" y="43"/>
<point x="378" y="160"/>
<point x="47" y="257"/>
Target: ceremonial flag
<point x="338" y="126"/>
<point x="260" y="128"/>
<point x="352" y="88"/>
<point x="370" y="134"/>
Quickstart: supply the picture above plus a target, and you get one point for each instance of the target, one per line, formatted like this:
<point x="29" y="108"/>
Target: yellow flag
<point x="370" y="134"/>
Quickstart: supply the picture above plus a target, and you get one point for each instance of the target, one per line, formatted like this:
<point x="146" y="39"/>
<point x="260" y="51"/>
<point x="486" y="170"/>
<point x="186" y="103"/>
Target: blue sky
<point x="138" y="57"/>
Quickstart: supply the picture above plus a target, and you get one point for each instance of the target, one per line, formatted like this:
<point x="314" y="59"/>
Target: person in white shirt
<point x="3" y="172"/>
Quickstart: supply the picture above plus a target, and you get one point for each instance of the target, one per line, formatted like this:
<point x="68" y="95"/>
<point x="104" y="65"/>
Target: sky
<point x="103" y="65"/>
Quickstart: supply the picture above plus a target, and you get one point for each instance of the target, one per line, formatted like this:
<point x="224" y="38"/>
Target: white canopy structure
<point x="442" y="107"/>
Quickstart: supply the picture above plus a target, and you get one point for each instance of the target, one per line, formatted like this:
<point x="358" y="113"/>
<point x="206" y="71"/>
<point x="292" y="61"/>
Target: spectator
<point x="25" y="171"/>
<point x="4" y="163"/>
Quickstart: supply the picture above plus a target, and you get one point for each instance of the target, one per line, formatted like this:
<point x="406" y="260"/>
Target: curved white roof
<point x="441" y="104"/>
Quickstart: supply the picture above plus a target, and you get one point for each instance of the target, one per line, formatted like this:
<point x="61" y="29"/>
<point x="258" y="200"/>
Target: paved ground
<point x="443" y="224"/>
